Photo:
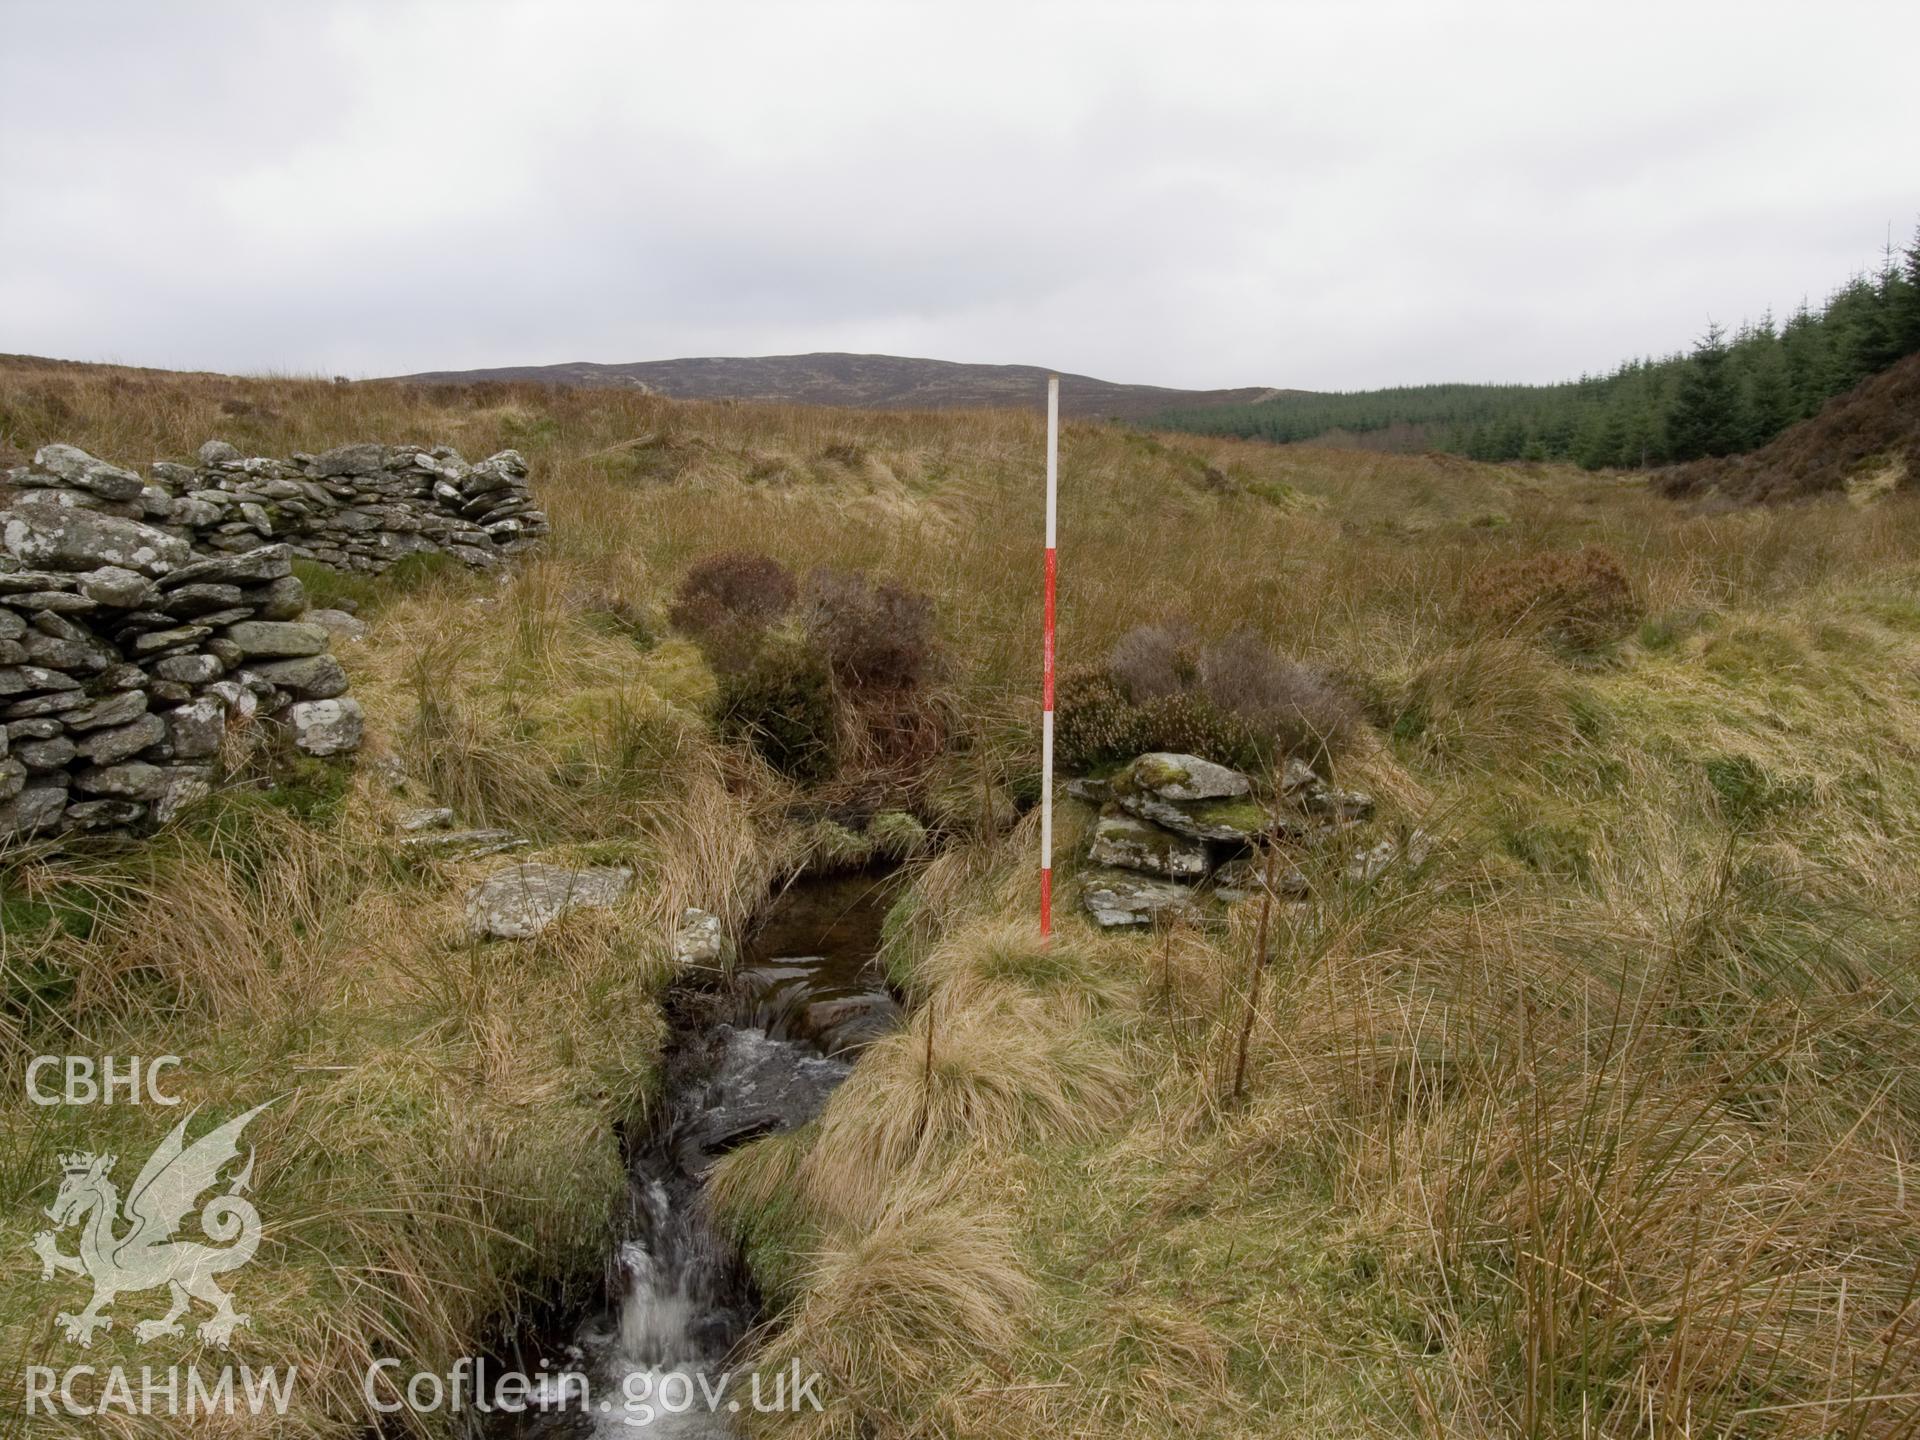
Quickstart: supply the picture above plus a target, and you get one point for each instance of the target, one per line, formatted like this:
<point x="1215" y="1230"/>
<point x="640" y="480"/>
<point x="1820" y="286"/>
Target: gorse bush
<point x="1582" y="601"/>
<point x="1236" y="702"/>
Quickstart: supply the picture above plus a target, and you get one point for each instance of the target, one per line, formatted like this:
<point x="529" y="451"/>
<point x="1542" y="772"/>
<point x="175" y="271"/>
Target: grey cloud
<point x="1189" y="195"/>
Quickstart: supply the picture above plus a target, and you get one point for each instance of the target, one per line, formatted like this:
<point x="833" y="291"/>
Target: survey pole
<point x="1046" y="663"/>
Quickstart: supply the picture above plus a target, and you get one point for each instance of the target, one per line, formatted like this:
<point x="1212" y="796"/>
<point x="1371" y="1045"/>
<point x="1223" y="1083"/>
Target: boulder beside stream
<point x="518" y="902"/>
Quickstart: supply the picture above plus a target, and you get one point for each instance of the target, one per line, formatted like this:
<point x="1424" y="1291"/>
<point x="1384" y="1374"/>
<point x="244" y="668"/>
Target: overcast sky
<point x="1318" y="196"/>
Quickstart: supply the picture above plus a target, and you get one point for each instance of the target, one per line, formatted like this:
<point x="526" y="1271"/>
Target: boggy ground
<point x="1597" y="1123"/>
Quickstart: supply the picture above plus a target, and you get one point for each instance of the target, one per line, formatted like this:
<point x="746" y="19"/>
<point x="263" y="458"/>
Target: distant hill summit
<point x="1868" y="437"/>
<point x="869" y="382"/>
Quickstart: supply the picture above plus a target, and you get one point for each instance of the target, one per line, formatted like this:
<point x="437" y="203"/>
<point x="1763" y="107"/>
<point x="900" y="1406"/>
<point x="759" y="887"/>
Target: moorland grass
<point x="1598" y="1122"/>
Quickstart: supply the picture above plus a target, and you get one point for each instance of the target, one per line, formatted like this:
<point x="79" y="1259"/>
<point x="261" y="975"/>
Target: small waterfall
<point x="807" y="993"/>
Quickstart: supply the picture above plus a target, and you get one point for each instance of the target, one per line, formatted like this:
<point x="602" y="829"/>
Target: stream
<point x="756" y="1058"/>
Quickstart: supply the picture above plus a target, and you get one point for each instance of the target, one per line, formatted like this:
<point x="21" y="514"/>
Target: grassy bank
<point x="1595" y="1123"/>
<point x="443" y="1137"/>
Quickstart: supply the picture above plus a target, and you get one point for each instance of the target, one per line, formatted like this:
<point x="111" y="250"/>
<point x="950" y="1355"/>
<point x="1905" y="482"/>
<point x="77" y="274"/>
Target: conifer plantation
<point x="1728" y="394"/>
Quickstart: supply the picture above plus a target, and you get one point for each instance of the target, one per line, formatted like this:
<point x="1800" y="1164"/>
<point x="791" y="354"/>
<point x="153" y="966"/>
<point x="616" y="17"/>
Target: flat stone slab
<point x="1245" y="878"/>
<point x="77" y="467"/>
<point x="1369" y="864"/>
<point x="464" y="844"/>
<point x="1227" y="821"/>
<point x="848" y="1023"/>
<point x="1192" y="797"/>
<point x="520" y="901"/>
<point x="699" y="940"/>
<point x="1182" y="777"/>
<point x="277" y="639"/>
<point x="1087" y="788"/>
<point x="337" y="623"/>
<point x="256" y="566"/>
<point x="327" y="727"/>
<point x="32" y="808"/>
<point x="438" y="817"/>
<point x="1119" y="898"/>
<point x="67" y="540"/>
<point x="1132" y="844"/>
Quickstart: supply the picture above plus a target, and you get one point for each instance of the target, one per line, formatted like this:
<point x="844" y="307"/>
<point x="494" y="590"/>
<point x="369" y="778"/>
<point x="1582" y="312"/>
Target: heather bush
<point x="1094" y="723"/>
<point x="779" y="699"/>
<point x="1191" y="724"/>
<point x="874" y="636"/>
<point x="1297" y="707"/>
<point x="1151" y="662"/>
<point x="1582" y="600"/>
<point x="732" y="591"/>
<point x="833" y="680"/>
<point x="1236" y="702"/>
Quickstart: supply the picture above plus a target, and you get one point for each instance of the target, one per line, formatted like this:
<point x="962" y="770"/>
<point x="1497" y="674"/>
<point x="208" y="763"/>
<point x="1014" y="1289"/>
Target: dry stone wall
<point x="146" y="623"/>
<point x="356" y="507"/>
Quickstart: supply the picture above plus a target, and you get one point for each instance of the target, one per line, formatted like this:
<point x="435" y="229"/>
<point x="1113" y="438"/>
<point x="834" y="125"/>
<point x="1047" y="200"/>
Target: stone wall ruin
<point x="144" y="621"/>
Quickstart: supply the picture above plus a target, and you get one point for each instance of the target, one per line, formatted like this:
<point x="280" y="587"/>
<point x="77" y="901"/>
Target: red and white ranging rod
<point x="1046" y="665"/>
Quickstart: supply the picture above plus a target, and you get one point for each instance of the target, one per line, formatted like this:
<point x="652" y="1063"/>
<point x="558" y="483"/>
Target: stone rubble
<point x="1131" y="844"/>
<point x="464" y="844"/>
<point x="437" y="817"/>
<point x="1117" y="898"/>
<point x="357" y="507"/>
<point x="1175" y="830"/>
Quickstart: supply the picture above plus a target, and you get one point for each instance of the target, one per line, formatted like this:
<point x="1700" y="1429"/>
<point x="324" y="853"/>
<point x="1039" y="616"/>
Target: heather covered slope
<point x="1596" y="1121"/>
<point x="1867" y="438"/>
<point x="877" y="382"/>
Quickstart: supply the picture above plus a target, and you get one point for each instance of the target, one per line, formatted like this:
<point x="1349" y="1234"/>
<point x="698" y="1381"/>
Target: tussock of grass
<point x="981" y="1067"/>
<point x="910" y="1311"/>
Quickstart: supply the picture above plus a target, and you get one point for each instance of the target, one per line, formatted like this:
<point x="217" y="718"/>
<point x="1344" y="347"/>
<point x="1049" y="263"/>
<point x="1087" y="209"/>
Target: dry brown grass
<point x="1582" y="600"/>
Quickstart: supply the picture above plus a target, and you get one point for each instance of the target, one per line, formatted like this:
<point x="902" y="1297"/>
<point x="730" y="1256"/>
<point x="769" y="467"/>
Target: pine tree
<point x="1769" y="396"/>
<point x="1862" y="342"/>
<point x="1806" y="344"/>
<point x="1906" y="310"/>
<point x="1705" y="415"/>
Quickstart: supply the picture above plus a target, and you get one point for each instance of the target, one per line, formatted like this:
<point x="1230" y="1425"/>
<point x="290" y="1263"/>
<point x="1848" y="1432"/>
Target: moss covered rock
<point x="1129" y="843"/>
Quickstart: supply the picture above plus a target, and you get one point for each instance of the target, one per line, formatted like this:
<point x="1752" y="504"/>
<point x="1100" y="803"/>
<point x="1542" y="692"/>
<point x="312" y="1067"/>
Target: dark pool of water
<point x="809" y="971"/>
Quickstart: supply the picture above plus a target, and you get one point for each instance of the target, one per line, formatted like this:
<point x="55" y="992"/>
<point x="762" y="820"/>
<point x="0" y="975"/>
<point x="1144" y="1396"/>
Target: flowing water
<point x="758" y="1059"/>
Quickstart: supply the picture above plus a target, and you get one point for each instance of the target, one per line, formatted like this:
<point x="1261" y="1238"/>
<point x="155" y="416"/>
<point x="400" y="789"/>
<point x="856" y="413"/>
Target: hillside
<point x="873" y="382"/>
<point x="1565" y="1088"/>
<point x="1869" y="436"/>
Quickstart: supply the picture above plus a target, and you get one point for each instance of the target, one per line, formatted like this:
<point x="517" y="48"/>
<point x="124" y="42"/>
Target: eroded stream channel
<point x="756" y="1057"/>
